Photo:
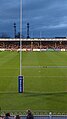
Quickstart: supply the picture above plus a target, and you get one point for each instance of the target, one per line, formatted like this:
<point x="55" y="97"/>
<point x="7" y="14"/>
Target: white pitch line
<point x="36" y="76"/>
<point x="46" y="76"/>
<point x="44" y="66"/>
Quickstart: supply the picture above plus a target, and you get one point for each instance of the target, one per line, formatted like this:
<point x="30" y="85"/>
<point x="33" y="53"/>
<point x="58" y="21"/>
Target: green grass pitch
<point x="45" y="81"/>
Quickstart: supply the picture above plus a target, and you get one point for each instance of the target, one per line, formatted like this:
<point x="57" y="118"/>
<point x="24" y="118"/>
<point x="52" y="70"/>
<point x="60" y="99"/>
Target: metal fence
<point x="38" y="114"/>
<point x="35" y="112"/>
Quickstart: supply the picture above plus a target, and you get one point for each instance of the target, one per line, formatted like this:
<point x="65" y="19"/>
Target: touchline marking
<point x="44" y="66"/>
<point x="46" y="76"/>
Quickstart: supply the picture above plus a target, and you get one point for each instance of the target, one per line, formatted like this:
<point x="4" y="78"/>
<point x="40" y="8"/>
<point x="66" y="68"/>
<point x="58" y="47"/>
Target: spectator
<point x="7" y="116"/>
<point x="17" y="117"/>
<point x="29" y="115"/>
<point x="1" y="117"/>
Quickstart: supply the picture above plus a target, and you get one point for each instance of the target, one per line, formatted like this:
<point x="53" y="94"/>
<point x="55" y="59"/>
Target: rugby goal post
<point x="20" y="77"/>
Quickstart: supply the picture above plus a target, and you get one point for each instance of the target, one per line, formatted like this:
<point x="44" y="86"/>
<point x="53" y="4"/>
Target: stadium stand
<point x="34" y="44"/>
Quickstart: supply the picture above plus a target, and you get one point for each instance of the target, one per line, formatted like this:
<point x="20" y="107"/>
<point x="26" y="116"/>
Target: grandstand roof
<point x="36" y="39"/>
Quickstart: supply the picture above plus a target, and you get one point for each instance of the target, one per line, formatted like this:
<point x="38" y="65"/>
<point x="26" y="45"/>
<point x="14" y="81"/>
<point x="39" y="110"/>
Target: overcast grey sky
<point x="47" y="18"/>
